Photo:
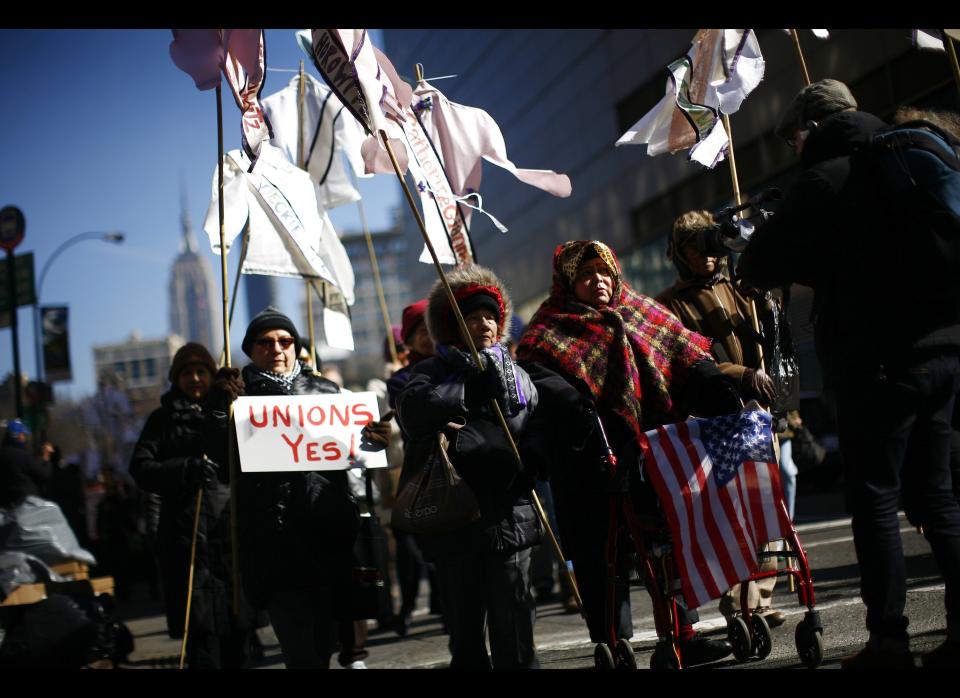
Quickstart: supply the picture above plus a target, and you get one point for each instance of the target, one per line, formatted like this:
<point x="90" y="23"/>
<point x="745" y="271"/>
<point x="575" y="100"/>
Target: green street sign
<point x="25" y="285"/>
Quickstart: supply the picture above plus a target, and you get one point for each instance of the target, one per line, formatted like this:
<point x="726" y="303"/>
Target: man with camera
<point x="888" y="338"/>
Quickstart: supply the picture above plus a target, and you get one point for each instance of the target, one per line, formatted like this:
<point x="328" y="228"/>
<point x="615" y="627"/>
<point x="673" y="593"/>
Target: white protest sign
<point x="280" y="433"/>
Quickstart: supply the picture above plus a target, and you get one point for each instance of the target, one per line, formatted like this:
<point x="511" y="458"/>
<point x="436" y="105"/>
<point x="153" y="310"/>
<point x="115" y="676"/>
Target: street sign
<point x="25" y="284"/>
<point x="12" y="227"/>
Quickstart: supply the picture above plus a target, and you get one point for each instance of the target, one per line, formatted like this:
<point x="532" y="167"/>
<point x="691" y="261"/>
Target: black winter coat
<point x="172" y="434"/>
<point x="435" y="395"/>
<point x="297" y="529"/>
<point x="836" y="232"/>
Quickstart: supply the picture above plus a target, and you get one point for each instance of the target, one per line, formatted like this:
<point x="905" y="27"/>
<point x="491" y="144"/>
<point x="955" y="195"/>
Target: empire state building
<point x="191" y="292"/>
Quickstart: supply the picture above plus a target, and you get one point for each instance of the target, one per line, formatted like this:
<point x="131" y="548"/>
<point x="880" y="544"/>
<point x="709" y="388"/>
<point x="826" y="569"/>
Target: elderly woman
<point x="169" y="461"/>
<point x="297" y="529"/>
<point x="628" y="356"/>
<point x="483" y="567"/>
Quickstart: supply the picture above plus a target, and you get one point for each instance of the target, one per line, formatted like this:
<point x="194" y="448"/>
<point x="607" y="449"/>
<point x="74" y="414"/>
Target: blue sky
<point x="100" y="127"/>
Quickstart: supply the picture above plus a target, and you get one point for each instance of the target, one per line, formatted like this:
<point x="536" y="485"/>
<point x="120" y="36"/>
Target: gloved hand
<point x="228" y="384"/>
<point x="198" y="472"/>
<point x="483" y="385"/>
<point x="375" y="436"/>
<point x="759" y="385"/>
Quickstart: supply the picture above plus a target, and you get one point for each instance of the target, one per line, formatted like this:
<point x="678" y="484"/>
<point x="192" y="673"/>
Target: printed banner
<point x="305" y="432"/>
<point x="442" y="217"/>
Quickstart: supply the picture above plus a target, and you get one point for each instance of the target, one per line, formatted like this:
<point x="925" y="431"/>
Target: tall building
<point x="138" y="368"/>
<point x="562" y="97"/>
<point x="191" y="291"/>
<point x="366" y="314"/>
<point x="261" y="291"/>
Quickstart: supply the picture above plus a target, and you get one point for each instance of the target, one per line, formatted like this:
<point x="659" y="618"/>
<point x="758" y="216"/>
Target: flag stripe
<point x="710" y="520"/>
<point x="692" y="560"/>
<point x="747" y="510"/>
<point x="765" y="490"/>
<point x="735" y="535"/>
<point x="733" y="506"/>
<point x="756" y="505"/>
<point x="701" y="531"/>
<point x="690" y="583"/>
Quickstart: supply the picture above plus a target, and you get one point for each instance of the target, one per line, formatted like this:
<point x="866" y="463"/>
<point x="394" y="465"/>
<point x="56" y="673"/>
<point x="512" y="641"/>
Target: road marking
<point x="581" y="638"/>
<point x="815" y="526"/>
<point x="846" y="539"/>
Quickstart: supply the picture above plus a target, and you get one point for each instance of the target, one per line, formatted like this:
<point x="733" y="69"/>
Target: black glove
<point x="228" y="384"/>
<point x="375" y="436"/>
<point x="759" y="385"/>
<point x="198" y="472"/>
<point x="483" y="385"/>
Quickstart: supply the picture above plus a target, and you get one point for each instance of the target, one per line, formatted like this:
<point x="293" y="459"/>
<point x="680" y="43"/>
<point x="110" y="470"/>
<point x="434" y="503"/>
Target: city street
<point x="563" y="641"/>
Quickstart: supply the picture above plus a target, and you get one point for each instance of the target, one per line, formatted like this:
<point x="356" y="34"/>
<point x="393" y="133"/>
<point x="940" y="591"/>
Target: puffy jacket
<point x="434" y="396"/>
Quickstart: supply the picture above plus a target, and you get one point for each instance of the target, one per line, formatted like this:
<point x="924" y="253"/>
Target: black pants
<point x="305" y="626"/>
<point x="895" y="434"/>
<point x="410" y="569"/>
<point x="495" y="587"/>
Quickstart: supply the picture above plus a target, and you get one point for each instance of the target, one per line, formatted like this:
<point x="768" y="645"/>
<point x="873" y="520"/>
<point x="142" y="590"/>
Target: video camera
<point x="731" y="232"/>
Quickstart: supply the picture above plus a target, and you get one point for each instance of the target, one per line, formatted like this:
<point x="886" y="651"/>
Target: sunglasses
<point x="267" y="343"/>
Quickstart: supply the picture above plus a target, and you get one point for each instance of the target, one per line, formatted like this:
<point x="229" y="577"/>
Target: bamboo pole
<point x="738" y="198"/>
<point x="803" y="63"/>
<point x="468" y="340"/>
<point x="193" y="558"/>
<point x="950" y="46"/>
<point x="301" y="160"/>
<point x="231" y="460"/>
<point x="378" y="285"/>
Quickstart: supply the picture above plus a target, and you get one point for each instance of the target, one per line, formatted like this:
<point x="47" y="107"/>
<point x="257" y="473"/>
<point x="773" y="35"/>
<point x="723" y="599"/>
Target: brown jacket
<point x="717" y="311"/>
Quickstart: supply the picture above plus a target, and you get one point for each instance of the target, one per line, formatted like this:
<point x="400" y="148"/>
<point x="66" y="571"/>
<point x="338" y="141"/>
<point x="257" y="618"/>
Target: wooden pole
<point x="951" y="48"/>
<point x="803" y="63"/>
<point x="378" y="285"/>
<point x="468" y="340"/>
<point x="193" y="558"/>
<point x="231" y="459"/>
<point x="301" y="160"/>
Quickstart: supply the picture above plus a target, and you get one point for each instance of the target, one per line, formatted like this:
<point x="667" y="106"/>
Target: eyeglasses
<point x="267" y="343"/>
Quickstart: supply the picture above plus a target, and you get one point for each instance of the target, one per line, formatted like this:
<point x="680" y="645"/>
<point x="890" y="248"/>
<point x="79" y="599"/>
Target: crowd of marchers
<point x="598" y="365"/>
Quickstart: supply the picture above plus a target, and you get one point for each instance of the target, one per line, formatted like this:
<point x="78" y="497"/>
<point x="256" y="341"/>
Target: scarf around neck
<point x="284" y="380"/>
<point x="632" y="355"/>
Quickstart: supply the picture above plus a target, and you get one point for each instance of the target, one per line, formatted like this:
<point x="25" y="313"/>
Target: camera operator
<point x="891" y="350"/>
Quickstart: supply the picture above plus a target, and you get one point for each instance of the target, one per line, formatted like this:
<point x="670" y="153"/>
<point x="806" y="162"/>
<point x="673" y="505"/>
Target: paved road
<point x="563" y="641"/>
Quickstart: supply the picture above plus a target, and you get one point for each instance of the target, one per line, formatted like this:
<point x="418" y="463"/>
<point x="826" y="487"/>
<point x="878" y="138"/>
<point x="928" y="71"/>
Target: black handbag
<point x="370" y="593"/>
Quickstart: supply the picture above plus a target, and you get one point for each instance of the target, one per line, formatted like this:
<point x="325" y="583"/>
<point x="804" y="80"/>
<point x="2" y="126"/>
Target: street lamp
<point x="111" y="236"/>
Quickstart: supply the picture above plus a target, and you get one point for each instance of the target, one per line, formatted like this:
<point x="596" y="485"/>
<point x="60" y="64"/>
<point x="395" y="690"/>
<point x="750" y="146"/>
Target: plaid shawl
<point x="632" y="355"/>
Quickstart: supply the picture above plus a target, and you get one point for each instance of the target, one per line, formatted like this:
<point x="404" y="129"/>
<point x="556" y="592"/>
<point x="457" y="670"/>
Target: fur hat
<point x="815" y="102"/>
<point x="467" y="283"/>
<point x="270" y="318"/>
<point x="191" y="353"/>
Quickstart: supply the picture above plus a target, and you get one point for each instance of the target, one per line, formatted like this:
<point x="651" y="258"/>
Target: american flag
<point x="719" y="484"/>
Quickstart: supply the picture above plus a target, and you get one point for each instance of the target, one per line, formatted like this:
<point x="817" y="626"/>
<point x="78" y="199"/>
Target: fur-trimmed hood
<point x="440" y="320"/>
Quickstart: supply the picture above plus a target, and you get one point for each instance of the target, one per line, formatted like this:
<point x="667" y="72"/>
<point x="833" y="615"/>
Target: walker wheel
<point x="664" y="658"/>
<point x="762" y="642"/>
<point x="739" y="637"/>
<point x="602" y="658"/>
<point x="809" y="645"/>
<point x="625" y="657"/>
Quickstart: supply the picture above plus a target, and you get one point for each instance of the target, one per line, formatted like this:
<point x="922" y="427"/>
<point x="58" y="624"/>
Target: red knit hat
<point x="412" y="316"/>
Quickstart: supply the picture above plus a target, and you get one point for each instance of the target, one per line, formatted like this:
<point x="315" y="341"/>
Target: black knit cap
<point x="191" y="353"/>
<point x="270" y="318"/>
<point x="479" y="300"/>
